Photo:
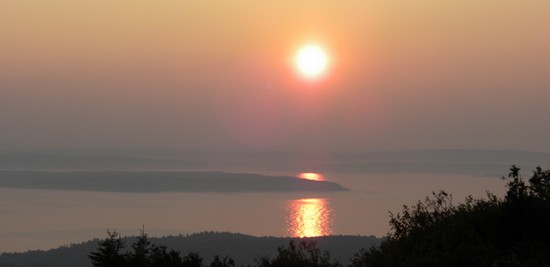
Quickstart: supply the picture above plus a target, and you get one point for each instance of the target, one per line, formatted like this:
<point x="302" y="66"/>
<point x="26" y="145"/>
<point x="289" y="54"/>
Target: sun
<point x="311" y="61"/>
<point x="311" y="176"/>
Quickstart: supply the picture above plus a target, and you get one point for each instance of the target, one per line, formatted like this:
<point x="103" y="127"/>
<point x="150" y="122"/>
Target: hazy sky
<point x="218" y="74"/>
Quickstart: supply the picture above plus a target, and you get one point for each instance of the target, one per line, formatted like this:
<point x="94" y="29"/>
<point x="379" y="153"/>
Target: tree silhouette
<point x="140" y="256"/>
<point x="478" y="232"/>
<point x="161" y="257"/>
<point x="540" y="184"/>
<point x="108" y="251"/>
<point x="306" y="253"/>
<point x="225" y="262"/>
<point x="517" y="189"/>
<point x="192" y="260"/>
<point x="143" y="254"/>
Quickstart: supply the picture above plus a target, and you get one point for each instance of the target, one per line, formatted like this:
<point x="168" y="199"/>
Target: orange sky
<point x="405" y="75"/>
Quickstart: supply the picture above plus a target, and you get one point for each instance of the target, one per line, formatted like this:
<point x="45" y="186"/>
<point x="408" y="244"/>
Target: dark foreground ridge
<point x="156" y="181"/>
<point x="244" y="249"/>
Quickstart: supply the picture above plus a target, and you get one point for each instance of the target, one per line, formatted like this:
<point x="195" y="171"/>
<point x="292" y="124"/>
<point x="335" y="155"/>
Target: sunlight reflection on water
<point x="309" y="217"/>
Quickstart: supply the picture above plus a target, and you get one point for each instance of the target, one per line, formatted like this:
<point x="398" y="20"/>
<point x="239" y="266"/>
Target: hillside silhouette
<point x="242" y="248"/>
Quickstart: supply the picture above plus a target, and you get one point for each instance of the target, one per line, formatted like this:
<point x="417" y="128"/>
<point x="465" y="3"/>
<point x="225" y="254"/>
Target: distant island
<point x="159" y="181"/>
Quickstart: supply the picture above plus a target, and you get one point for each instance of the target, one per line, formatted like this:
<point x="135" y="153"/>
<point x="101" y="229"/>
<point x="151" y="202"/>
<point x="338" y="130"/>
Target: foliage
<point x="304" y="254"/>
<point x="192" y="260"/>
<point x="225" y="262"/>
<point x="161" y="257"/>
<point x="479" y="232"/>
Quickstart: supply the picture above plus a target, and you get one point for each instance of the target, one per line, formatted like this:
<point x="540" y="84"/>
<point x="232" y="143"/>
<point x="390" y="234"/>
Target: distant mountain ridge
<point x="480" y="162"/>
<point x="242" y="248"/>
<point x="156" y="181"/>
<point x="477" y="162"/>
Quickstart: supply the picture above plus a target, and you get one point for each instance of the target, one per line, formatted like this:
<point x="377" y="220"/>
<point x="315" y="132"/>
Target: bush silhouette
<point x="512" y="231"/>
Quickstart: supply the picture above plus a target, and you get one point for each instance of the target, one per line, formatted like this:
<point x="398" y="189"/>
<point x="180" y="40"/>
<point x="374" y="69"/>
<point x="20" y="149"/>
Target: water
<point x="309" y="217"/>
<point x="43" y="219"/>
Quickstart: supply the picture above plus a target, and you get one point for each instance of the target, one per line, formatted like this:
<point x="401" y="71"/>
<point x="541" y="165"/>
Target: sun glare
<point x="311" y="61"/>
<point x="311" y="176"/>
